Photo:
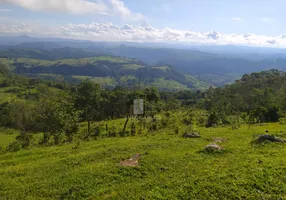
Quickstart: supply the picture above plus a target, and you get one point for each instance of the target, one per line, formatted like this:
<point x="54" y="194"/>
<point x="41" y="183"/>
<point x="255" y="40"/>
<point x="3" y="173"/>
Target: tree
<point x="88" y="100"/>
<point x="259" y="113"/>
<point x="57" y="116"/>
<point x="152" y="94"/>
<point x="213" y="120"/>
<point x="22" y="116"/>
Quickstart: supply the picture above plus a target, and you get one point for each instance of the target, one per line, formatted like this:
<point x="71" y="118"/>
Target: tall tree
<point x="88" y="100"/>
<point x="57" y="116"/>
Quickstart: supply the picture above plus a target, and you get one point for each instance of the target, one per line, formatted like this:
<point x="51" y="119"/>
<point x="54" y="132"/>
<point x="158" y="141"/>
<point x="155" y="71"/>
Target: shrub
<point x="14" y="146"/>
<point x="25" y="139"/>
<point x="282" y="120"/>
<point x="177" y="130"/>
<point x="112" y="132"/>
<point x="213" y="120"/>
<point x="133" y="129"/>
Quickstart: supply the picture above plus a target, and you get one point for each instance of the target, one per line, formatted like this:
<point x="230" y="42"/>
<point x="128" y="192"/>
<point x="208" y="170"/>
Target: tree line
<point x="58" y="109"/>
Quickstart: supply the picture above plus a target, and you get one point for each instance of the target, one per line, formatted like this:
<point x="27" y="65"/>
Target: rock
<point x="213" y="147"/>
<point x="131" y="162"/>
<point x="191" y="135"/>
<point x="271" y="138"/>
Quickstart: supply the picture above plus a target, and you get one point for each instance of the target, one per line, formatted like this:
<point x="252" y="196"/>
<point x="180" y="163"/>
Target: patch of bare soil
<point x="131" y="162"/>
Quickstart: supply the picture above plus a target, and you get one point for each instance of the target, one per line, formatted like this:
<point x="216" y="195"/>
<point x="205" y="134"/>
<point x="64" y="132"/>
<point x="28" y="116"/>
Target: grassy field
<point x="163" y="68"/>
<point x="131" y="67"/>
<point x="7" y="136"/>
<point x="72" y="62"/>
<point x="170" y="167"/>
<point x="168" y="84"/>
<point x="109" y="81"/>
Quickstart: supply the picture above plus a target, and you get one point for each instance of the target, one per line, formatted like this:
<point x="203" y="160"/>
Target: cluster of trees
<point x="57" y="109"/>
<point x="257" y="97"/>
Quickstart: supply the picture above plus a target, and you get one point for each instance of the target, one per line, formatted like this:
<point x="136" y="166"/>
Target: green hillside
<point x="63" y="141"/>
<point x="109" y="71"/>
<point x="170" y="167"/>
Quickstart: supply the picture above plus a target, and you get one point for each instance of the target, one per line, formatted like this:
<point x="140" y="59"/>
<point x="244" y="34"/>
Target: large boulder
<point x="191" y="135"/>
<point x="270" y="138"/>
<point x="213" y="148"/>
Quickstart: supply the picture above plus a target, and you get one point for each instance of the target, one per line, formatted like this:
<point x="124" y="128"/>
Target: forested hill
<point x="211" y="68"/>
<point x="108" y="71"/>
<point x="260" y="96"/>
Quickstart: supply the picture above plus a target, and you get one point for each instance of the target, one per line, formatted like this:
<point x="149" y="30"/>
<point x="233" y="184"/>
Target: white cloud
<point x="213" y="35"/>
<point x="18" y="29"/>
<point x="143" y="33"/>
<point x="120" y="9"/>
<point x="237" y="19"/>
<point x="115" y="7"/>
<point x="70" y="6"/>
<point x="283" y="36"/>
<point x="271" y="41"/>
<point x="5" y="10"/>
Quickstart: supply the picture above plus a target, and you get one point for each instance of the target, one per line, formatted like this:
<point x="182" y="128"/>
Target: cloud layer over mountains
<point x="108" y="31"/>
<point x="145" y="32"/>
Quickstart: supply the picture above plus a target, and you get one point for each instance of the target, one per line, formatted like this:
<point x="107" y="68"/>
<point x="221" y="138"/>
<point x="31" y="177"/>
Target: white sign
<point x="138" y="107"/>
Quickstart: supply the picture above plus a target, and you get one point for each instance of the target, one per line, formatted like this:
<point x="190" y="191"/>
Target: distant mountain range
<point x="206" y="65"/>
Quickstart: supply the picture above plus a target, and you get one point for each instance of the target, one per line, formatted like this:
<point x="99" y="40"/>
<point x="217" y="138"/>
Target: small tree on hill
<point x="88" y="100"/>
<point x="57" y="116"/>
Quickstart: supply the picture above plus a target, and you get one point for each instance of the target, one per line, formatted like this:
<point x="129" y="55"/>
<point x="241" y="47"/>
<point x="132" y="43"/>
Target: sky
<point x="243" y="22"/>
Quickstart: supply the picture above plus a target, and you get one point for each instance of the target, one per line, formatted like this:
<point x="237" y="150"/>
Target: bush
<point x="133" y="129"/>
<point x="213" y="120"/>
<point x="14" y="146"/>
<point x="233" y="121"/>
<point x="282" y="120"/>
<point x="177" y="130"/>
<point x="112" y="132"/>
<point x="25" y="139"/>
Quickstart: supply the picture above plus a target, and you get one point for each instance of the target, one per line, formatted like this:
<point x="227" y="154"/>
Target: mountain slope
<point x="106" y="70"/>
<point x="215" y="69"/>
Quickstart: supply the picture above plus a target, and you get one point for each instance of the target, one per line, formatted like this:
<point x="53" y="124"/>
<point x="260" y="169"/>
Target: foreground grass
<point x="171" y="167"/>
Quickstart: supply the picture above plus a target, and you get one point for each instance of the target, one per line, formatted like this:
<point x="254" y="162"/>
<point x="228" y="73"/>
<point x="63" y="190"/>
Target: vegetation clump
<point x="269" y="138"/>
<point x="191" y="135"/>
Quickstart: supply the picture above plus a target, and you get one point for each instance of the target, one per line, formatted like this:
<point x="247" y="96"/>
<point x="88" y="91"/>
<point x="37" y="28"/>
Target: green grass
<point x="126" y="79"/>
<point x="197" y="83"/>
<point x="109" y="81"/>
<point x="171" y="167"/>
<point x="167" y="84"/>
<point x="28" y="62"/>
<point x="163" y="68"/>
<point x="218" y="80"/>
<point x="7" y="136"/>
<point x="6" y="97"/>
<point x="131" y="67"/>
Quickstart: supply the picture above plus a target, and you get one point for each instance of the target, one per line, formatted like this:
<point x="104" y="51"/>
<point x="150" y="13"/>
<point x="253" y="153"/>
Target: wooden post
<point x="124" y="128"/>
